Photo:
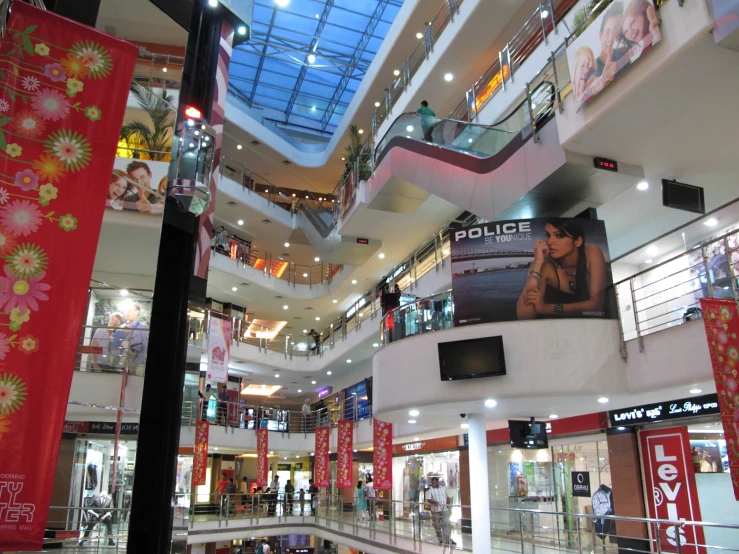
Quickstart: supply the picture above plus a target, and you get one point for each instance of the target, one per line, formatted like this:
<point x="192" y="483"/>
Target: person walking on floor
<point x="439" y="500"/>
<point x="289" y="497"/>
<point x="369" y="493"/>
<point x="306" y="411"/>
<point x="428" y="120"/>
<point x="360" y="503"/>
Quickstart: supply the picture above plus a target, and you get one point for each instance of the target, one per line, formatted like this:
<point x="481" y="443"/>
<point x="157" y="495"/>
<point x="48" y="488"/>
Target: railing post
<point x="622" y="346"/>
<point x="502" y="72"/>
<point x="452" y="9"/>
<point x="709" y="278"/>
<point x="554" y="19"/>
<point x="543" y="27"/>
<point x="679" y="543"/>
<point x="428" y="45"/>
<point x="471" y="105"/>
<point x="406" y="75"/>
<point x="532" y="119"/>
<point x="557" y="91"/>
<point x="510" y="67"/>
<point x="579" y="535"/>
<point x="658" y="538"/>
<point x="388" y="103"/>
<point x="636" y="315"/>
<point x="520" y="527"/>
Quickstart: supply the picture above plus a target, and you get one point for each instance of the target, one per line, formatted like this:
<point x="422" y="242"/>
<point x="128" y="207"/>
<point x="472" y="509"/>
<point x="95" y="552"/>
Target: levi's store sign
<point x="672" y="409"/>
<point x="668" y="474"/>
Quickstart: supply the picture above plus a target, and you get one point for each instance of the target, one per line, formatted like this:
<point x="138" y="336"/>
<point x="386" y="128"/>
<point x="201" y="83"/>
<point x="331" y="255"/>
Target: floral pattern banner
<point x="345" y="454"/>
<point x="63" y="93"/>
<point x="200" y="457"/>
<point x="382" y="455"/>
<point x="262" y="461"/>
<point x="722" y="330"/>
<point x="321" y="472"/>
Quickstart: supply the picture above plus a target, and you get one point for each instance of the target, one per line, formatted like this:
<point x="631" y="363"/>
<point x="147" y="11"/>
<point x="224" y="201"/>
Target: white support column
<point x="479" y="491"/>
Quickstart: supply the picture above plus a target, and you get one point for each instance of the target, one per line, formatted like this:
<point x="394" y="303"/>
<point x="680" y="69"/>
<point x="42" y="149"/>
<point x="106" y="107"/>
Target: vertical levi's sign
<point x="671" y="489"/>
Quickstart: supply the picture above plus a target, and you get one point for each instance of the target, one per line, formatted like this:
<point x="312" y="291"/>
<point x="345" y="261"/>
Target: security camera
<point x="463" y="416"/>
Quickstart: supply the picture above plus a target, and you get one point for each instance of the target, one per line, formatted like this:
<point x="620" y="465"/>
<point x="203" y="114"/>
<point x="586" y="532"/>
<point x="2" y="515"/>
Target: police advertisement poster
<point x="615" y="39"/>
<point x="531" y="269"/>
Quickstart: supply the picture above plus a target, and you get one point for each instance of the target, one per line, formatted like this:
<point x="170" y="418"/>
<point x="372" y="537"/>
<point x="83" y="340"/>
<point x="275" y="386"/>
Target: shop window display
<point x="415" y="478"/>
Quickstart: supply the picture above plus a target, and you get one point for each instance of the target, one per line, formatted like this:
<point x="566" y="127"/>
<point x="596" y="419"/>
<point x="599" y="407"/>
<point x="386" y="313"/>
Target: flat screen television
<point x="527" y="434"/>
<point x="471" y="358"/>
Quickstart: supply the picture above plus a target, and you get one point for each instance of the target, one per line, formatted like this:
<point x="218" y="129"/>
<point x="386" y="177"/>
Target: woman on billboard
<point x="567" y="278"/>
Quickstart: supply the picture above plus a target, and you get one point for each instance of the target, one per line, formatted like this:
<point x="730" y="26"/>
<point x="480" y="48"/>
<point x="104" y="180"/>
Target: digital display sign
<point x="605" y="163"/>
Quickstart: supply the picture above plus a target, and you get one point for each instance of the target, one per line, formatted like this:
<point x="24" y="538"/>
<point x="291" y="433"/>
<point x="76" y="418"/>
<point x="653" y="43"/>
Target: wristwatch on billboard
<point x="602" y="502"/>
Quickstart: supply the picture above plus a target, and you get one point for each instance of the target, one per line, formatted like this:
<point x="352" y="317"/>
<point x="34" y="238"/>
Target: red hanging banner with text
<point x="321" y="473"/>
<point x="200" y="457"/>
<point x="63" y="93"/>
<point x="262" y="460"/>
<point x="382" y="455"/>
<point x="671" y="492"/>
<point x="722" y="331"/>
<point x="345" y="454"/>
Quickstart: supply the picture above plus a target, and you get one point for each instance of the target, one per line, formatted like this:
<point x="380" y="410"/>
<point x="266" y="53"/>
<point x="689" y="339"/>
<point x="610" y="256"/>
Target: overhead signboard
<point x="665" y="411"/>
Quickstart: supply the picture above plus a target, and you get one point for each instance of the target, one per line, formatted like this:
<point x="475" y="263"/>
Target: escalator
<point x="471" y="146"/>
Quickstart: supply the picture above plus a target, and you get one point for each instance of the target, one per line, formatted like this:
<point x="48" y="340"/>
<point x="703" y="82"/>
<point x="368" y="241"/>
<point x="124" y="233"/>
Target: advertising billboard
<point x="137" y="186"/>
<point x="531" y="269"/>
<point x="618" y="37"/>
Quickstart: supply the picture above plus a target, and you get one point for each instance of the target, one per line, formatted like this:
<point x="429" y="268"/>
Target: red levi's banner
<point x="345" y="454"/>
<point x="382" y="455"/>
<point x="722" y="330"/>
<point x="670" y="487"/>
<point x="262" y="461"/>
<point x="200" y="457"/>
<point x="63" y="93"/>
<point x="321" y="474"/>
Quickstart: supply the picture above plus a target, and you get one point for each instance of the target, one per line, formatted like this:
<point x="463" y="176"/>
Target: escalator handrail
<point x="492" y="126"/>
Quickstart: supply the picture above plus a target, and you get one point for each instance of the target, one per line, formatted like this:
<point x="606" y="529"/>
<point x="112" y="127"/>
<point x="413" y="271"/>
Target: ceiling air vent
<point x="286" y="162"/>
<point x="278" y="296"/>
<point x="267" y="221"/>
<point x="231" y="203"/>
<point x="255" y="143"/>
<point x="309" y="308"/>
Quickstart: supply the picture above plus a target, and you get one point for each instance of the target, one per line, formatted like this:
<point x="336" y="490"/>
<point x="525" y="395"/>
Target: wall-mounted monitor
<point x="682" y="196"/>
<point x="527" y="434"/>
<point x="471" y="358"/>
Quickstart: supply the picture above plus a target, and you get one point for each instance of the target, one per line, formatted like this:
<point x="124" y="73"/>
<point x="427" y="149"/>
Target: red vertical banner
<point x="262" y="460"/>
<point x="345" y="455"/>
<point x="200" y="457"/>
<point x="321" y="473"/>
<point x="722" y="330"/>
<point x="63" y="93"/>
<point x="382" y="455"/>
<point x="671" y="490"/>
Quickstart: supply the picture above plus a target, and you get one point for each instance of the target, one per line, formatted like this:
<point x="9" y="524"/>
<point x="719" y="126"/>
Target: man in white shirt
<point x="306" y="415"/>
<point x="437" y="497"/>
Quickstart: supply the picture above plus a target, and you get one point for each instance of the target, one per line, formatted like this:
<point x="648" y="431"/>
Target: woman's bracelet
<point x="535" y="274"/>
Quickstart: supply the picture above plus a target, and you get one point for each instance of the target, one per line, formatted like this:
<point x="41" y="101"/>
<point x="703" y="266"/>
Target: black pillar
<point x="150" y="527"/>
<point x="83" y="11"/>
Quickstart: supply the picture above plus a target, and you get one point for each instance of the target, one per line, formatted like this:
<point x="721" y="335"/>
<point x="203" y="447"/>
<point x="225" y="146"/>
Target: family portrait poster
<point x="531" y="269"/>
<point x="618" y="37"/>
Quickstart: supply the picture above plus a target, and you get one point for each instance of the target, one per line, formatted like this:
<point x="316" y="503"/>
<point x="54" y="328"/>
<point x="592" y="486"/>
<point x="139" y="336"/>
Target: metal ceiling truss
<point x="366" y="36"/>
<point x="261" y="60"/>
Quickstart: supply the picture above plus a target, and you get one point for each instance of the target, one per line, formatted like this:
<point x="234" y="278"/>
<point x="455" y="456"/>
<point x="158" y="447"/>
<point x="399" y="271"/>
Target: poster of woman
<point x="614" y="40"/>
<point x="531" y="269"/>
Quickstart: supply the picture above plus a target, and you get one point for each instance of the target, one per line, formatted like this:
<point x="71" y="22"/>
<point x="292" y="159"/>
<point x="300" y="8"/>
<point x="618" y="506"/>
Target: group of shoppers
<point x="264" y="499"/>
<point x="123" y="343"/>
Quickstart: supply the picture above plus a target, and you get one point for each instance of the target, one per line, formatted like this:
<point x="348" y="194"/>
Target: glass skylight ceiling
<point x="276" y="68"/>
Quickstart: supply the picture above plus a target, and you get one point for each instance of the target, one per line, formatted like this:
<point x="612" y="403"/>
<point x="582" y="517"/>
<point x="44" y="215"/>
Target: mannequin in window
<point x="97" y="510"/>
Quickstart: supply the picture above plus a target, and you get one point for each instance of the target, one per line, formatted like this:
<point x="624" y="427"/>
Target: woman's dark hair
<point x="573" y="229"/>
<point x="359" y="484"/>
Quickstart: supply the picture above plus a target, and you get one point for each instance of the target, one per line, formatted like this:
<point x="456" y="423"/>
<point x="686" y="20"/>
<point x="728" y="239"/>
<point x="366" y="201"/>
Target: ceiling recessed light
<point x="305" y="331"/>
<point x="465" y="426"/>
<point x="234" y="289"/>
<point x="216" y="449"/>
<point x="287" y="244"/>
<point x="300" y="390"/>
<point x="277" y="375"/>
<point x="312" y="382"/>
<point x="164" y="70"/>
<point x="297" y="456"/>
<point x="285" y="307"/>
<point x="343" y="158"/>
<point x="490" y="403"/>
<point x="603" y="400"/>
<point x="411" y="421"/>
<point x="305" y="275"/>
<point x="271" y="451"/>
<point x="335" y="301"/>
<point x="652" y="250"/>
<point x="553" y="416"/>
<point x="124" y="292"/>
<point x="316" y="259"/>
<point x="396" y="72"/>
<point x="375" y="345"/>
<point x="354" y="281"/>
<point x="413" y="413"/>
<point x="419" y="35"/>
<point x="416" y="439"/>
<point x="381" y="256"/>
<point x="470" y="140"/>
<point x="377" y="104"/>
<point x="642" y="185"/>
<point x="318" y="318"/>
<point x="711" y="222"/>
<point x="212" y="3"/>
<point x="241" y="30"/>
<point x="348" y="361"/>
<point x="285" y="458"/>
<point x="239" y="147"/>
<point x="328" y="373"/>
<point x="360" y="131"/>
<point x="695" y="391"/>
<point x="448" y="77"/>
<point x="240" y="222"/>
<point x="409" y="128"/>
<point x="649" y="261"/>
